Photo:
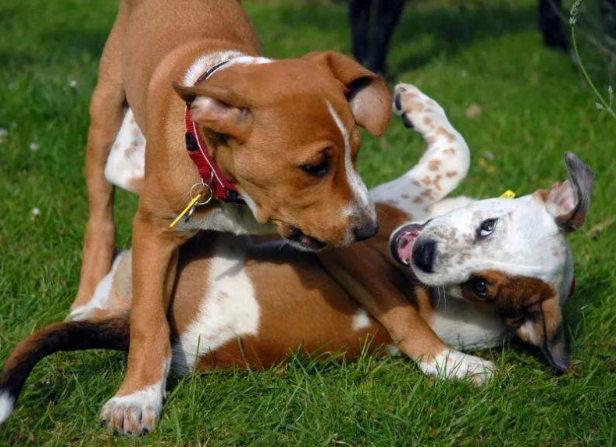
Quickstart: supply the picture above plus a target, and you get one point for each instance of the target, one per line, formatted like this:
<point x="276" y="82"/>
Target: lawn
<point x="489" y="53"/>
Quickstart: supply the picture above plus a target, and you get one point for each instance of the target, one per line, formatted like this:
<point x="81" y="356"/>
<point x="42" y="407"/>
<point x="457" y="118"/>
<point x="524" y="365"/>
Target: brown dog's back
<point x="164" y="26"/>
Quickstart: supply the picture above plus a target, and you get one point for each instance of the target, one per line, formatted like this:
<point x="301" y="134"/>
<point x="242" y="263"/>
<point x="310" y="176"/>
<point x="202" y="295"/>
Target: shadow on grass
<point x="422" y="35"/>
<point x="451" y="31"/>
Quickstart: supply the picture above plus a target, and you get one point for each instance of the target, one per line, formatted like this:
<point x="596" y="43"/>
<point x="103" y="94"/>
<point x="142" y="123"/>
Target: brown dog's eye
<point x="317" y="170"/>
<point x="480" y="287"/>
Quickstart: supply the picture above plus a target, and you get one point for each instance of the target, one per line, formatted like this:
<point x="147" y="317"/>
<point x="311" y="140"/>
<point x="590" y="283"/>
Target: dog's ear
<point x="568" y="202"/>
<point x="543" y="327"/>
<point x="367" y="93"/>
<point x="218" y="109"/>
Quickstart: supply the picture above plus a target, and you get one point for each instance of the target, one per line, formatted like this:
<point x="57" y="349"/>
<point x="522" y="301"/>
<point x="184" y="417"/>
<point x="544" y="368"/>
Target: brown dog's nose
<point x="366" y="230"/>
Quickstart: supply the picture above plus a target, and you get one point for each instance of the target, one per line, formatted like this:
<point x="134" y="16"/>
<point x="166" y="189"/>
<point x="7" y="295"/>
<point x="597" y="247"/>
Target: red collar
<point x="210" y="172"/>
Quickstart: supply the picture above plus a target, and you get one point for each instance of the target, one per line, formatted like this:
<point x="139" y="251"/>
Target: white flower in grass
<point x="34" y="146"/>
<point x="489" y="155"/>
<point x="3" y="134"/>
<point x="36" y="212"/>
<point x="72" y="83"/>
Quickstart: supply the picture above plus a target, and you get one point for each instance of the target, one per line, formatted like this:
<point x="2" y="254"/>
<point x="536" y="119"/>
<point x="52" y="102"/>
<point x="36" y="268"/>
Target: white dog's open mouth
<point x="402" y="240"/>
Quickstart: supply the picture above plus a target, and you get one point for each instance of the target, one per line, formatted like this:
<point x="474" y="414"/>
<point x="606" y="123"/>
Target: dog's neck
<point x="226" y="217"/>
<point x="208" y="61"/>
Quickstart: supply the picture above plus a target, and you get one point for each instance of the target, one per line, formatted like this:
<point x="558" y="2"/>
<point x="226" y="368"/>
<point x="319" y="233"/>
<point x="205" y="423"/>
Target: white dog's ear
<point x="569" y="201"/>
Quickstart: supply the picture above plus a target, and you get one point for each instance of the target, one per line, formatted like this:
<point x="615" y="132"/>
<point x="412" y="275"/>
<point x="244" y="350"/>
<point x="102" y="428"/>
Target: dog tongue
<point x="405" y="245"/>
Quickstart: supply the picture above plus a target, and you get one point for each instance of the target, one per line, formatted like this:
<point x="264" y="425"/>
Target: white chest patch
<point x="466" y="325"/>
<point x="462" y="329"/>
<point x="229" y="309"/>
<point x="361" y="320"/>
<point x="228" y="218"/>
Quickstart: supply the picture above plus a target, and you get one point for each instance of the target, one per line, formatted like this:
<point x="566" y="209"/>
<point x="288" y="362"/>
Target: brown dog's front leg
<point x="379" y="288"/>
<point x="136" y="407"/>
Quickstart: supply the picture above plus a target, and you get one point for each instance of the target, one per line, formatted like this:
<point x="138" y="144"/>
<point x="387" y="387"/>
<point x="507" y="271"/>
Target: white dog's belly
<point x="126" y="162"/>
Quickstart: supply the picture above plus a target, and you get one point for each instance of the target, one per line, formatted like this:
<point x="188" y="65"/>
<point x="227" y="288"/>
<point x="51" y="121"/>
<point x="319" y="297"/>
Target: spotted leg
<point x="442" y="167"/>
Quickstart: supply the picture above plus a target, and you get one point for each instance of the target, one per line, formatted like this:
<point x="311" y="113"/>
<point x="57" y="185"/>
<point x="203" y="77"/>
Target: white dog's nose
<point x="423" y="255"/>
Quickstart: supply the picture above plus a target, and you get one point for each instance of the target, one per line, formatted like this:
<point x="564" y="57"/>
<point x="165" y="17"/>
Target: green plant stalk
<point x="607" y="107"/>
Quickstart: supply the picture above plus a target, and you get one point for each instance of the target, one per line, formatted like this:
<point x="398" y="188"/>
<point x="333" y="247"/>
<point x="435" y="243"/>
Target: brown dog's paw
<point x="134" y="414"/>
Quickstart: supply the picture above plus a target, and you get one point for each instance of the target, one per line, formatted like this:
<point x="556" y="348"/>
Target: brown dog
<point x="281" y="134"/>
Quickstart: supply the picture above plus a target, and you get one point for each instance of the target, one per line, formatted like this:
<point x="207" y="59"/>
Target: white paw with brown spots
<point x="136" y="413"/>
<point x="418" y="111"/>
<point x="452" y="364"/>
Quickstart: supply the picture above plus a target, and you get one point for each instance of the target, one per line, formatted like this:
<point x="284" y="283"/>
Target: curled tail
<point x="111" y="333"/>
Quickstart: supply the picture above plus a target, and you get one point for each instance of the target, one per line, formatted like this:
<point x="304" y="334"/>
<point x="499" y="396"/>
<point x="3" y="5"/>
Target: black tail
<point x="112" y="333"/>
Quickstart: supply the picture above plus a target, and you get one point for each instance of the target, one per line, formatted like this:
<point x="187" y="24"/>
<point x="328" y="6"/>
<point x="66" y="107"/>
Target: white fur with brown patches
<point x="442" y="167"/>
<point x="528" y="331"/>
<point x="228" y="310"/>
<point x="126" y="163"/>
<point x="526" y="225"/>
<point x="526" y="242"/>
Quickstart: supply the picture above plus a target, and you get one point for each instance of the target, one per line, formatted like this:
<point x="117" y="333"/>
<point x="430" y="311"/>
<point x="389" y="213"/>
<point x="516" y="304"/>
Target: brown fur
<point x="510" y="294"/>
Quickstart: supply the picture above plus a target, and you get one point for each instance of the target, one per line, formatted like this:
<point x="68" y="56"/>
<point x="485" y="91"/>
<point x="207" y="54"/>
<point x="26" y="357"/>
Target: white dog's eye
<point x="486" y="228"/>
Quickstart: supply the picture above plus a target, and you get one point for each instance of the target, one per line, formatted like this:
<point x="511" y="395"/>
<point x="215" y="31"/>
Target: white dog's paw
<point x="452" y="364"/>
<point x="134" y="414"/>
<point x="417" y="110"/>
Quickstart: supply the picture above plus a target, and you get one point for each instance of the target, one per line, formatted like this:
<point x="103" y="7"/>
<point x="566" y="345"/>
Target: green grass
<point x="535" y="107"/>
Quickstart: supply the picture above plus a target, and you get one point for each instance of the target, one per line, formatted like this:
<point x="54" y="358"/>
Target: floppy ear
<point x="569" y="201"/>
<point x="367" y="93"/>
<point x="543" y="327"/>
<point x="218" y="109"/>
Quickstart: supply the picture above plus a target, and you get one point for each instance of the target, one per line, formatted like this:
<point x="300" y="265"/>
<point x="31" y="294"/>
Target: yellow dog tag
<point x="191" y="205"/>
<point x="509" y="194"/>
